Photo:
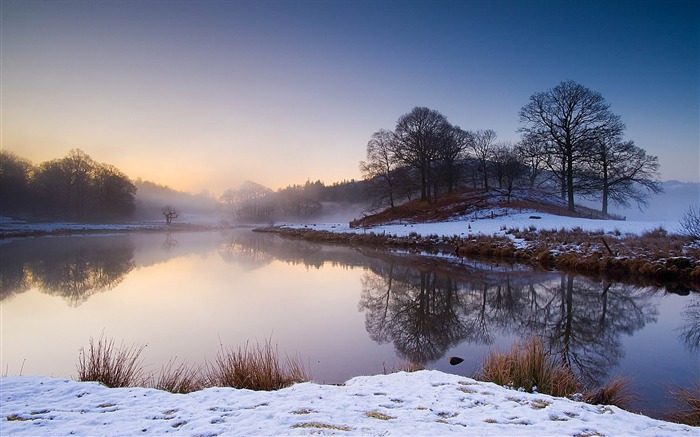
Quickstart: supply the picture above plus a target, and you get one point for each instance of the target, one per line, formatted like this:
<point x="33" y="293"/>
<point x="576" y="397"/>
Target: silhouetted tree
<point x="379" y="169"/>
<point x="482" y="147"/>
<point x="419" y="135"/>
<point x="507" y="167"/>
<point x="170" y="213"/>
<point x="534" y="156"/>
<point x="624" y="172"/>
<point x="452" y="149"/>
<point x="570" y="118"/>
<point x="15" y="174"/>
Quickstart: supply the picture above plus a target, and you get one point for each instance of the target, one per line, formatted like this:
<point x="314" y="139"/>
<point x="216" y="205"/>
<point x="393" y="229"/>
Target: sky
<point x="203" y="95"/>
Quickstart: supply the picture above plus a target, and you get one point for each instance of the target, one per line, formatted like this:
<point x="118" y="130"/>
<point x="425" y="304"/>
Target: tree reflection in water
<point x="424" y="313"/>
<point x="72" y="268"/>
<point x="689" y="332"/>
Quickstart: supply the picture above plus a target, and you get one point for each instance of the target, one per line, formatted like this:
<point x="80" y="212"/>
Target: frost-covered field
<point x="421" y="403"/>
<point x="501" y="221"/>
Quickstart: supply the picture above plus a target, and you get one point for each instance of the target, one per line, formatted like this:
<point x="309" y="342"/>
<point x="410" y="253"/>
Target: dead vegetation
<point x="254" y="367"/>
<point x="689" y="411"/>
<point x="655" y="258"/>
<point x="530" y="367"/>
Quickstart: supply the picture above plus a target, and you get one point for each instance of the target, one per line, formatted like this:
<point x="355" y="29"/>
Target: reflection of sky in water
<point x="185" y="294"/>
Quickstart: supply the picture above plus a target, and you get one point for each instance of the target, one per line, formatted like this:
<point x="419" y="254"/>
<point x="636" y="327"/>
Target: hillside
<point x="467" y="204"/>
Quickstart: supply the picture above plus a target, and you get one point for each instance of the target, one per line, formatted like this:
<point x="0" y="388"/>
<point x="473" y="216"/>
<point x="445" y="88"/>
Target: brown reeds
<point x="254" y="368"/>
<point x="689" y="399"/>
<point x="529" y="366"/>
<point x="615" y="392"/>
<point x="111" y="365"/>
<point x="180" y="378"/>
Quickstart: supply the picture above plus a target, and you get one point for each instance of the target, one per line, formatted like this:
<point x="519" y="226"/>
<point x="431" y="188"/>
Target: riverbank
<point x="643" y="253"/>
<point x="12" y="228"/>
<point x="426" y="402"/>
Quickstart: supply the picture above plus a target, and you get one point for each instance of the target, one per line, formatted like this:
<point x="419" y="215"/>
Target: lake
<point x="343" y="311"/>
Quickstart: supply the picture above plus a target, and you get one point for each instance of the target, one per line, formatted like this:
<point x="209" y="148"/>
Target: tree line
<point x="255" y="202"/>
<point x="570" y="142"/>
<point x="75" y="187"/>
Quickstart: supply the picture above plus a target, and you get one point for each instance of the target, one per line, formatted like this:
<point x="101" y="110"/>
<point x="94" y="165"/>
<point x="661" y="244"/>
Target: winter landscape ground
<point x="419" y="403"/>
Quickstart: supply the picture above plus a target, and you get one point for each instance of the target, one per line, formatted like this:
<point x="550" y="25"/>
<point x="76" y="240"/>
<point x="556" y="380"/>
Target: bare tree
<point x="572" y="118"/>
<point x="170" y="213"/>
<point x="508" y="167"/>
<point x="534" y="156"/>
<point x="453" y="148"/>
<point x="690" y="222"/>
<point x="624" y="172"/>
<point x="482" y="146"/>
<point x="419" y="135"/>
<point x="380" y="167"/>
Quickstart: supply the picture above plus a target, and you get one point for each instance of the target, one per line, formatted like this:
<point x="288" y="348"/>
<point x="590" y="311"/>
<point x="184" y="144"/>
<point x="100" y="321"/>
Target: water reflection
<point x="689" y="332"/>
<point x="424" y="313"/>
<point x="73" y="268"/>
<point x="422" y="307"/>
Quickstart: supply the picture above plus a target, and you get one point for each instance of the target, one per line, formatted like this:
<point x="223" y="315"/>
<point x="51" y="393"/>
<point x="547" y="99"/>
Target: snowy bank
<point x="502" y="220"/>
<point x="422" y="403"/>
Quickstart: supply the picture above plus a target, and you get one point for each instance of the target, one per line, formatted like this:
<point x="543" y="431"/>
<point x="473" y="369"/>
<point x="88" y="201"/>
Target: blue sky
<point x="203" y="95"/>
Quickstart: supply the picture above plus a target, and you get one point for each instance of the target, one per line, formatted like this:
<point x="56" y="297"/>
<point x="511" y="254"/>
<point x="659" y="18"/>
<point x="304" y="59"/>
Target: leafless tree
<point x="380" y="167"/>
<point x="624" y="172"/>
<point x="508" y="167"/>
<point x="170" y="213"/>
<point x="452" y="148"/>
<point x="419" y="135"/>
<point x="482" y="147"/>
<point x="571" y="118"/>
<point x="690" y="222"/>
<point x="534" y="156"/>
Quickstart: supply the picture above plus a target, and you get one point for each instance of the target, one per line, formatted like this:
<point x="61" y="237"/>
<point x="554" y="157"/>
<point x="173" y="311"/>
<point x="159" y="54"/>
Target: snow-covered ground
<point x="501" y="221"/>
<point x="422" y="403"/>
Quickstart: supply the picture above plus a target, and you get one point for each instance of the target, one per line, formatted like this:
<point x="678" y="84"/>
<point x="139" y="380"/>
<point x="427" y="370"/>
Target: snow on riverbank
<point x="422" y="403"/>
<point x="501" y="221"/>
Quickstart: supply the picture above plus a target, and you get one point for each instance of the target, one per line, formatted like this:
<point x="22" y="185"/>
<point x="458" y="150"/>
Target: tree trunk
<point x="570" y="179"/>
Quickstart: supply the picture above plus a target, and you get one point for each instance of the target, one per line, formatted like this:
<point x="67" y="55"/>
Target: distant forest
<point x="78" y="188"/>
<point x="75" y="187"/>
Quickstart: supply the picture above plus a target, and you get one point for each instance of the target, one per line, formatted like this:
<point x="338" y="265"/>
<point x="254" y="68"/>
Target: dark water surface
<point x="343" y="311"/>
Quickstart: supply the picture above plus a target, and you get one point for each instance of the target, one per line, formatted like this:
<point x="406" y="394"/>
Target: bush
<point x="527" y="366"/>
<point x="110" y="365"/>
<point x="255" y="368"/>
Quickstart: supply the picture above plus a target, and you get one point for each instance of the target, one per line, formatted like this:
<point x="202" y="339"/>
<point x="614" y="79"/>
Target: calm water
<point x="344" y="311"/>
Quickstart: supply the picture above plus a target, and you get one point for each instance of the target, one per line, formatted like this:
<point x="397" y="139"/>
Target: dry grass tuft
<point x="110" y="365"/>
<point x="254" y="368"/>
<point x="528" y="365"/>
<point x="615" y="392"/>
<point x="689" y="398"/>
<point x="178" y="379"/>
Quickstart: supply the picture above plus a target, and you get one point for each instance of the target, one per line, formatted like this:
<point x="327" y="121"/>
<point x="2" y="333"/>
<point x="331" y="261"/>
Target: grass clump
<point x="254" y="368"/>
<point x="529" y="366"/>
<point x="178" y="379"/>
<point x="111" y="365"/>
<point x="615" y="392"/>
<point x="689" y="399"/>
